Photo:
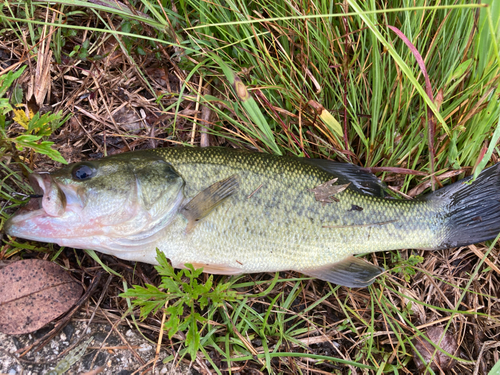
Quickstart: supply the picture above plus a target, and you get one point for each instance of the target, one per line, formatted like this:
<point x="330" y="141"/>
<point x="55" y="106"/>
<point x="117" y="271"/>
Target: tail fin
<point x="471" y="208"/>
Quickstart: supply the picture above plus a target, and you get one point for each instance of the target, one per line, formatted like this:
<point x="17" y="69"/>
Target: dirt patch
<point x="108" y="352"/>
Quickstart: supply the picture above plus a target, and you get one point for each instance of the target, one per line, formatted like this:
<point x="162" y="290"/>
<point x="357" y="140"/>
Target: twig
<point x="480" y="255"/>
<point x="160" y="337"/>
<point x="196" y="108"/>
<point x="205" y="118"/>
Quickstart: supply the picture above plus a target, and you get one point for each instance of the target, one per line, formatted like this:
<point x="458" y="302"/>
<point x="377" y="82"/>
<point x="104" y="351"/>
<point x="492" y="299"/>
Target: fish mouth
<point x="48" y="202"/>
<point x="53" y="200"/>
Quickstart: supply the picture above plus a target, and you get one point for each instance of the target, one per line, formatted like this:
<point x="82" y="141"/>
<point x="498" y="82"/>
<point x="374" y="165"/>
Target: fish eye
<point x="82" y="172"/>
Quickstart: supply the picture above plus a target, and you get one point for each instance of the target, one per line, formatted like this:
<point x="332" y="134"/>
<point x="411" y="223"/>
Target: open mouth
<point x="40" y="219"/>
<point x="48" y="196"/>
<point x="35" y="202"/>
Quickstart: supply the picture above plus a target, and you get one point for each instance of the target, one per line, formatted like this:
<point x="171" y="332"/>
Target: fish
<point x="233" y="212"/>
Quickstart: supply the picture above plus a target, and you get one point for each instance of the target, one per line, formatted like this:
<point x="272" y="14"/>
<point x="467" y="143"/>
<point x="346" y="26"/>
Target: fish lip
<point x="35" y="180"/>
<point x="53" y="200"/>
<point x="49" y="199"/>
<point x="25" y="222"/>
<point x="40" y="182"/>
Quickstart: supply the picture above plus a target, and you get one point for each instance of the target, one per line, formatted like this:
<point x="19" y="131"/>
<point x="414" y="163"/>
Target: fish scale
<point x="232" y="212"/>
<point x="283" y="207"/>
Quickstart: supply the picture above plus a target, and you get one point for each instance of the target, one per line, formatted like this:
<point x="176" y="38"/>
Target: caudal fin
<point x="471" y="209"/>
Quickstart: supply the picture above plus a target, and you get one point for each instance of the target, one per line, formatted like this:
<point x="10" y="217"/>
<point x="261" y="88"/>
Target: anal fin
<point x="207" y="199"/>
<point x="351" y="272"/>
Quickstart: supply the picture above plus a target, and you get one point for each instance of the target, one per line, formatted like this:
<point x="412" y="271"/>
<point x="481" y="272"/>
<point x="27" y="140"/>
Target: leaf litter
<point x="34" y="292"/>
<point x="325" y="193"/>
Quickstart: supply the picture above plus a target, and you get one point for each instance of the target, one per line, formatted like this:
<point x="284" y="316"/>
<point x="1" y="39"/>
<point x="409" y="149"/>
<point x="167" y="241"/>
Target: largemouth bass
<point x="234" y="212"/>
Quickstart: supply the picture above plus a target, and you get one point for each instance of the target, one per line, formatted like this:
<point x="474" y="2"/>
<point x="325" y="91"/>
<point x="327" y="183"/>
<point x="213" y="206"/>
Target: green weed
<point x="407" y="267"/>
<point x="179" y="296"/>
<point x="36" y="126"/>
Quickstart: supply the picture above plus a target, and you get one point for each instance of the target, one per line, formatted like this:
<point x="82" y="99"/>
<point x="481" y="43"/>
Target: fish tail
<point x="471" y="209"/>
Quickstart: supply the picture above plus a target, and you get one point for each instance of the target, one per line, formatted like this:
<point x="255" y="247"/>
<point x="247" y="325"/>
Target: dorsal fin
<point x="360" y="180"/>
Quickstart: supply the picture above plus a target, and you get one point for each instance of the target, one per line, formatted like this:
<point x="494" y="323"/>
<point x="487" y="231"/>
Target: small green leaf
<point x="17" y="95"/>
<point x="70" y="32"/>
<point x="6" y="80"/>
<point x="170" y="285"/>
<point x="175" y="309"/>
<point x="172" y="325"/>
<point x="197" y="272"/>
<point x="5" y="106"/>
<point x="413" y="260"/>
<point x="191" y="272"/>
<point x="193" y="338"/>
<point x="209" y="282"/>
<point x="126" y="27"/>
<point x="188" y="289"/>
<point x="495" y="369"/>
<point x="459" y="71"/>
<point x="44" y="147"/>
<point x="203" y="301"/>
<point x="150" y="306"/>
<point x="184" y="324"/>
<point x="200" y="318"/>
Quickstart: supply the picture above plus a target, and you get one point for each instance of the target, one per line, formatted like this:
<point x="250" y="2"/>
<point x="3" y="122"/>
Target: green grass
<point x="272" y="68"/>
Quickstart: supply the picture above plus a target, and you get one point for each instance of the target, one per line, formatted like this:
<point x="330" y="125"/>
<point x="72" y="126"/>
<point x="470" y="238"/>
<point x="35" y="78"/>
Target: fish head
<point x="98" y="204"/>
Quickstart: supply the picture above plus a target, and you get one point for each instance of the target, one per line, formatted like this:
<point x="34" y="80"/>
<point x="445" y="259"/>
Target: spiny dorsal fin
<point x="360" y="179"/>
<point x="351" y="272"/>
<point x="207" y="199"/>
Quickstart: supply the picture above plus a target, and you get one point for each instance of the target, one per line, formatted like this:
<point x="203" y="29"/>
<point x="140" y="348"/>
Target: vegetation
<point x="407" y="89"/>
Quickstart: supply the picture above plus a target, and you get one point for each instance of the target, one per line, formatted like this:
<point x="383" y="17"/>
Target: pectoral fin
<point x="209" y="198"/>
<point x="351" y="272"/>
